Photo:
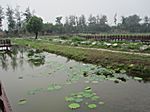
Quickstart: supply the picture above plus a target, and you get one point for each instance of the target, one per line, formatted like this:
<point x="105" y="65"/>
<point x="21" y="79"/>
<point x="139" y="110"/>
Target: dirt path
<point x="113" y="51"/>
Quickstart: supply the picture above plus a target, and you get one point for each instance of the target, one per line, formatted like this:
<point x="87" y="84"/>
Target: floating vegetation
<point x="36" y="57"/>
<point x="92" y="106"/>
<point x="138" y="78"/>
<point x="82" y="97"/>
<point x="95" y="74"/>
<point x="53" y="87"/>
<point x="20" y="77"/>
<point x="69" y="99"/>
<point x="74" y="105"/>
<point x="35" y="91"/>
<point x="22" y="101"/>
<point x="101" y="103"/>
<point x="94" y="98"/>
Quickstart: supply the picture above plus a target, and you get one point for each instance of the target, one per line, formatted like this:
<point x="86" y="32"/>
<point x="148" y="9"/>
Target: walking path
<point x="113" y="51"/>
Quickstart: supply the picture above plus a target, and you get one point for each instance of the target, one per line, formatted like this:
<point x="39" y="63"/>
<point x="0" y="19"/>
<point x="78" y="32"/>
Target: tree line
<point x="19" y="22"/>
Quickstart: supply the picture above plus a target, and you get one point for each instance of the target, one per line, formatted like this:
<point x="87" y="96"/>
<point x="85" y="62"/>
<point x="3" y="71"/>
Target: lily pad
<point x="87" y="95"/>
<point x="138" y="78"/>
<point x="53" y="87"/>
<point x="95" y="98"/>
<point x="92" y="106"/>
<point x="78" y="100"/>
<point x="74" y="105"/>
<point x="101" y="103"/>
<point x="69" y="99"/>
<point x="57" y="87"/>
<point x="88" y="89"/>
<point x="22" y="101"/>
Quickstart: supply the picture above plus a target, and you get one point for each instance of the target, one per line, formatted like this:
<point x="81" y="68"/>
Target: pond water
<point x="42" y="82"/>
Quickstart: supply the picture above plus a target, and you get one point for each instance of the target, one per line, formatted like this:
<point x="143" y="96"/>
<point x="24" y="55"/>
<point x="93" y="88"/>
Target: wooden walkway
<point x="5" y="44"/>
<point x="4" y="103"/>
<point x="133" y="38"/>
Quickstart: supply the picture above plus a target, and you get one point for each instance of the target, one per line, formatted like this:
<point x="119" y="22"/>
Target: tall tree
<point x="115" y="18"/>
<point x="58" y="20"/>
<point x="1" y="16"/>
<point x="146" y="20"/>
<point x="81" y="24"/>
<point x="35" y="25"/>
<point x="18" y="19"/>
<point x="10" y="19"/>
<point x="131" y="23"/>
<point x="103" y="19"/>
<point x="92" y="23"/>
<point x="145" y="27"/>
<point x="58" y="26"/>
<point x="27" y="14"/>
<point x="66" y="25"/>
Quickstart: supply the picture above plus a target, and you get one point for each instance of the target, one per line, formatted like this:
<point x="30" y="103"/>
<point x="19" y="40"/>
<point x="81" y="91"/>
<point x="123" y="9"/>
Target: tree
<point x="1" y="16"/>
<point x="92" y="23"/>
<point x="131" y="23"/>
<point x="58" y="20"/>
<point x="145" y="27"/>
<point x="146" y="20"/>
<point x="35" y="25"/>
<point x="58" y="28"/>
<point x="27" y="14"/>
<point x="10" y="19"/>
<point x="70" y="24"/>
<point x="82" y="24"/>
<point x="115" y="18"/>
<point x="47" y="28"/>
<point x="18" y="19"/>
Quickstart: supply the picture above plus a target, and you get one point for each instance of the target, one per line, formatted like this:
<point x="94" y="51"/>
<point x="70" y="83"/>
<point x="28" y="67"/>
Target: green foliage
<point x="27" y="14"/>
<point x="10" y="19"/>
<point x="35" y="25"/>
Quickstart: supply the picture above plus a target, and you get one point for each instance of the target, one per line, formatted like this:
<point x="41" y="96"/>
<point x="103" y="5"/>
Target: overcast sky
<point x="50" y="9"/>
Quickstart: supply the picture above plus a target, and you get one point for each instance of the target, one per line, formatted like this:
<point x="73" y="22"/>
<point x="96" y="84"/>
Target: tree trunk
<point x="36" y="35"/>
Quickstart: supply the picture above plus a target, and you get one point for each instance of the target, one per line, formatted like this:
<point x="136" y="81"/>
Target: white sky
<point x="50" y="9"/>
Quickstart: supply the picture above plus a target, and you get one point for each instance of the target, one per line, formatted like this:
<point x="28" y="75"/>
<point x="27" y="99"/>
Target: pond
<point x="38" y="81"/>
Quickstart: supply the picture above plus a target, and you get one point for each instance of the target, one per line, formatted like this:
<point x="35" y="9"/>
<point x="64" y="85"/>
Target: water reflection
<point x="15" y="57"/>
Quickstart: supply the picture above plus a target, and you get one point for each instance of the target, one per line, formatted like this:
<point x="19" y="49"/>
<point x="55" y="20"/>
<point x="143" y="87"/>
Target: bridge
<point x="4" y="103"/>
<point x="133" y="38"/>
<point x="5" y="44"/>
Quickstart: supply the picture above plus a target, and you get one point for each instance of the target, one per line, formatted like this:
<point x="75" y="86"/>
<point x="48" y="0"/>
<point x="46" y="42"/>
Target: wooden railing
<point x="5" y="44"/>
<point x="141" y="38"/>
<point x="4" y="103"/>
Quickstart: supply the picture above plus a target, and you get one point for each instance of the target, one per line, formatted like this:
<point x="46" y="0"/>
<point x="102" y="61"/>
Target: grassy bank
<point x="127" y="46"/>
<point x="134" y="64"/>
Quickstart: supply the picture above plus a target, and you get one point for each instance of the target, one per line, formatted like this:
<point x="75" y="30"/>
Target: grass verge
<point x="135" y="65"/>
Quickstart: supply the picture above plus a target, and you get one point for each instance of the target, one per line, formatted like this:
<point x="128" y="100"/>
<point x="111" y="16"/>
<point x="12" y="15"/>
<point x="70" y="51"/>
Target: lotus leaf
<point x="22" y="102"/>
<point x="92" y="106"/>
<point x="74" y="105"/>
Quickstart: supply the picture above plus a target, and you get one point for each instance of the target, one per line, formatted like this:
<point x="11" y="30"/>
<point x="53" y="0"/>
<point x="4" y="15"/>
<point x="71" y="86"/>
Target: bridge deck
<point x="5" y="44"/>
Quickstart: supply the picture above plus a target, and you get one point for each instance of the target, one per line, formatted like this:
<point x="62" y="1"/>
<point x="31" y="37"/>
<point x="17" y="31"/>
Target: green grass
<point x="141" y="64"/>
<point x="82" y="42"/>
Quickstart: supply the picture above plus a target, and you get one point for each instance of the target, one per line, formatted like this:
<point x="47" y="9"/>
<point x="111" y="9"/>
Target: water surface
<point x="24" y="79"/>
